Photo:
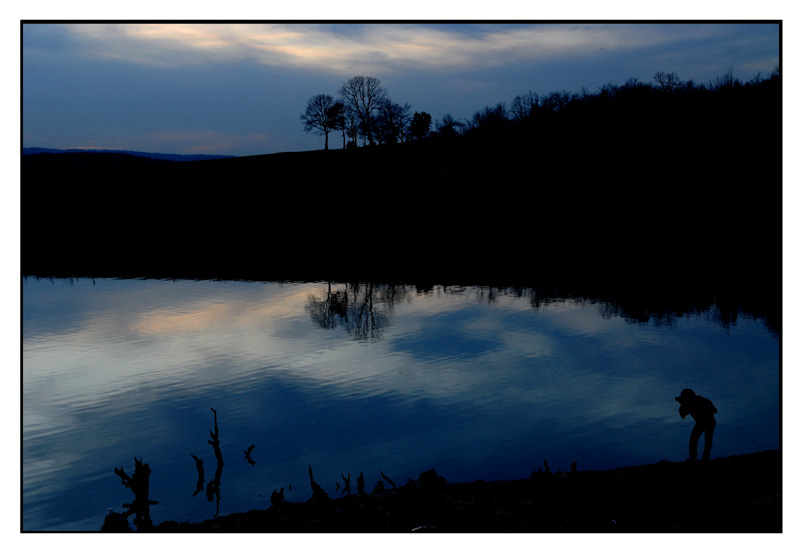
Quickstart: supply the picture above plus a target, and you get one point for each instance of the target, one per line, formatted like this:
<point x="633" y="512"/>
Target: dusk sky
<point x="239" y="89"/>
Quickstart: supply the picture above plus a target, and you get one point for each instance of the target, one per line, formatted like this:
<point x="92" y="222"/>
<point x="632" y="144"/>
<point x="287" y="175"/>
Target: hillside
<point x="669" y="184"/>
<point x="467" y="211"/>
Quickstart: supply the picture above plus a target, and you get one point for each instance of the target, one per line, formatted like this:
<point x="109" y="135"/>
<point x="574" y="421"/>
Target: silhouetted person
<point x="702" y="411"/>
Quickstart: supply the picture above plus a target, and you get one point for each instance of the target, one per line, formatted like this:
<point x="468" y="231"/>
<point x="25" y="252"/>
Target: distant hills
<point x="150" y="155"/>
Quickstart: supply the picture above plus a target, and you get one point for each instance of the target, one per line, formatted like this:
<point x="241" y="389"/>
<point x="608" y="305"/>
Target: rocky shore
<point x="740" y="493"/>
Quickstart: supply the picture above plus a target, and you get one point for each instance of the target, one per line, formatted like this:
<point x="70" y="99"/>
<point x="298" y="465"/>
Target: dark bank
<point x="733" y="494"/>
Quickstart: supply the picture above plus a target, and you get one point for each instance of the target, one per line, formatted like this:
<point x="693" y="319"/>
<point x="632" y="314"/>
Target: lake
<point x="475" y="382"/>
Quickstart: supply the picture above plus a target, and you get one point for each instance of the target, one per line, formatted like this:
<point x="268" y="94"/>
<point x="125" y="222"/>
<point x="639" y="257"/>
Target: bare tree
<point x="420" y="125"/>
<point x="338" y="117"/>
<point x="556" y="101"/>
<point x="364" y="96"/>
<point x="667" y="81"/>
<point x="489" y="118"/>
<point x="391" y="122"/>
<point x="319" y="117"/>
<point x="523" y="106"/>
<point x="725" y="81"/>
<point x="352" y="126"/>
<point x="449" y="126"/>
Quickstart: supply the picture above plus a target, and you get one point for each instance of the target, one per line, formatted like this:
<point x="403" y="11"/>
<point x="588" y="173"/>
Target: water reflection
<point x="247" y="453"/>
<point x="471" y="381"/>
<point x="213" y="487"/>
<point x="201" y="475"/>
<point x="363" y="309"/>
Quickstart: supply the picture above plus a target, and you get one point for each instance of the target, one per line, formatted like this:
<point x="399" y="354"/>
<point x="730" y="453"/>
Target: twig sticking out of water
<point x="360" y="484"/>
<point x="316" y="490"/>
<point x="139" y="484"/>
<point x="394" y="487"/>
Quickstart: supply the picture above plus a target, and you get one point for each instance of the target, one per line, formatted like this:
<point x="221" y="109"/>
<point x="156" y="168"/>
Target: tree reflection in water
<point x="363" y="309"/>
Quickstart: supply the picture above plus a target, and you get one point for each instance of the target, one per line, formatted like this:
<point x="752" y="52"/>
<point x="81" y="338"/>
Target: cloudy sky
<point x="239" y="89"/>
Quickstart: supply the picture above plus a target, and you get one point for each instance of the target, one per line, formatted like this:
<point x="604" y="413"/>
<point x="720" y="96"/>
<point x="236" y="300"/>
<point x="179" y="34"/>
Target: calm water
<point x="475" y="383"/>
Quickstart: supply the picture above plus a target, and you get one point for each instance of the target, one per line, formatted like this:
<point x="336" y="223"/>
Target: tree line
<point x="659" y="106"/>
<point x="364" y="109"/>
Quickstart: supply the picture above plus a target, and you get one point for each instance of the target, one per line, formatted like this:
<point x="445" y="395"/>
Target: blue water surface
<point x="476" y="383"/>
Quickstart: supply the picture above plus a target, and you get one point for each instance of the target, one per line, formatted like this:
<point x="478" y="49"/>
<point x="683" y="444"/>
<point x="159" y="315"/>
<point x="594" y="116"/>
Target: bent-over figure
<point x="702" y="411"/>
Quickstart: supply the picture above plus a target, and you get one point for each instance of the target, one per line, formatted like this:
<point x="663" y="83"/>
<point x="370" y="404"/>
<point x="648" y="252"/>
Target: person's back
<point x="702" y="408"/>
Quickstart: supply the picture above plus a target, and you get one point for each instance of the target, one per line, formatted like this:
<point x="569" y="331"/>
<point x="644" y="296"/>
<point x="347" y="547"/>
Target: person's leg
<point x="696" y="431"/>
<point x="709" y="439"/>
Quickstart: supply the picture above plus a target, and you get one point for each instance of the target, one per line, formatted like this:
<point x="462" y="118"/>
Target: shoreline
<point x="740" y="493"/>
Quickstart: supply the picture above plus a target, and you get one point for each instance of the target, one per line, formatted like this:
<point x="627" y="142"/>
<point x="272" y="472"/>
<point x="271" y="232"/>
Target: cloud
<point x="365" y="48"/>
<point x="239" y="88"/>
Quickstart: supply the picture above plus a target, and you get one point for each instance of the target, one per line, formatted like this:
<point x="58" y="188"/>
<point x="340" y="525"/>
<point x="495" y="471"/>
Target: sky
<point x="240" y="88"/>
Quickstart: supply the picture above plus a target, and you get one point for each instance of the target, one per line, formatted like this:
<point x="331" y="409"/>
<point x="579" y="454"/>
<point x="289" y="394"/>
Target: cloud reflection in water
<point x="390" y="379"/>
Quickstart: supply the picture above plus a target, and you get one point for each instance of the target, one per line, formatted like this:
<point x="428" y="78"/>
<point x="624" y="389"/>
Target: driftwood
<point x="212" y="490"/>
<point x="115" y="522"/>
<point x="277" y="497"/>
<point x="346" y="484"/>
<point x="139" y="484"/>
<point x="394" y="487"/>
<point x="360" y="484"/>
<point x="316" y="490"/>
